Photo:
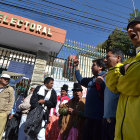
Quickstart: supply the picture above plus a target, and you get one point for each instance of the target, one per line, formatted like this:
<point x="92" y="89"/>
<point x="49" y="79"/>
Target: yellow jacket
<point x="112" y="77"/>
<point x="128" y="110"/>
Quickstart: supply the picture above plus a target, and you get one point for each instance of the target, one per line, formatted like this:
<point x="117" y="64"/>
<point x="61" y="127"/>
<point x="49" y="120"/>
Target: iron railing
<point x="62" y="65"/>
<point x="59" y="66"/>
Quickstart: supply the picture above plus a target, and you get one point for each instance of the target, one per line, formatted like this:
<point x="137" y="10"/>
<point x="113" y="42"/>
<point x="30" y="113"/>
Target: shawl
<point x="72" y="120"/>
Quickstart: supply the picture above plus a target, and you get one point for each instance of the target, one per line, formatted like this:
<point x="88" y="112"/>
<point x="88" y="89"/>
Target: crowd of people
<point x="110" y="110"/>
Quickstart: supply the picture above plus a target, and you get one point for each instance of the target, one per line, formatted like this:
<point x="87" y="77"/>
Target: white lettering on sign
<point x="13" y="21"/>
<point x="19" y="23"/>
<point x="26" y="25"/>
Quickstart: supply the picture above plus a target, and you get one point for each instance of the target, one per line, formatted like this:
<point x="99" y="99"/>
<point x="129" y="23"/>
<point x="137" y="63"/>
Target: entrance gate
<point x="7" y="55"/>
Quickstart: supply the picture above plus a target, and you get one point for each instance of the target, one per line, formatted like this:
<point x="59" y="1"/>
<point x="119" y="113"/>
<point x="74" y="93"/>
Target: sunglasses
<point x="6" y="78"/>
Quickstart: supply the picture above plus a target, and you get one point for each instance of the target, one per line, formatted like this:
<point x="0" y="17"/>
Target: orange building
<point x="26" y="35"/>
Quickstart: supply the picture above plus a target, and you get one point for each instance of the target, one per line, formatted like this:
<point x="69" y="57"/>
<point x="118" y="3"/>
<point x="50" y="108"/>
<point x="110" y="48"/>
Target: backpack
<point x="34" y="122"/>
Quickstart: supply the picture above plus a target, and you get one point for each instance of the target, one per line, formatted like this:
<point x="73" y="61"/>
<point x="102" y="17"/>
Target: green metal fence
<point x="59" y="66"/>
<point x="62" y="65"/>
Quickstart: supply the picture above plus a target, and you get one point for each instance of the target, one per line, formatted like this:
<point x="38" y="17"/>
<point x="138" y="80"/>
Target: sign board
<point x="32" y="27"/>
<point x="23" y="68"/>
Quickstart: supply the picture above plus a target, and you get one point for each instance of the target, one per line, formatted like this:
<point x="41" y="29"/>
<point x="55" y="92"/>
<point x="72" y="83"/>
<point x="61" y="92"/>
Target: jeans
<point x="21" y="134"/>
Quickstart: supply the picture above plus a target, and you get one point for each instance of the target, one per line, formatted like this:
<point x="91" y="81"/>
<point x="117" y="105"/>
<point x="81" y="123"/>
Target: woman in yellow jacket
<point x="128" y="84"/>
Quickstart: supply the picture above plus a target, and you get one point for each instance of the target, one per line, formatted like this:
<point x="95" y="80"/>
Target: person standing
<point x="73" y="116"/>
<point x="12" y="125"/>
<point x="94" y="106"/>
<point x="127" y="83"/>
<point x="52" y="129"/>
<point x="6" y="100"/>
<point x="46" y="96"/>
<point x="25" y="107"/>
<point x="113" y="59"/>
<point x="63" y="99"/>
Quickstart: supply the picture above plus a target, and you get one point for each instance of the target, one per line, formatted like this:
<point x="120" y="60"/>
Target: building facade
<point x="25" y="45"/>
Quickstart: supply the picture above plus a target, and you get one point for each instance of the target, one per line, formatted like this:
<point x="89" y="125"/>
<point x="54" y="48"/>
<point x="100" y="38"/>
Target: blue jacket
<point x="110" y="103"/>
<point x="94" y="107"/>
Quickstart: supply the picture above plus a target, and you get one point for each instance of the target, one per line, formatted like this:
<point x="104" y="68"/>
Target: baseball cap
<point x="5" y="76"/>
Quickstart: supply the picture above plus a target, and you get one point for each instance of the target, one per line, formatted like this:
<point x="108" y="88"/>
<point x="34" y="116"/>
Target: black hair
<point x="100" y="63"/>
<point x="22" y="93"/>
<point x="48" y="79"/>
<point x="117" y="52"/>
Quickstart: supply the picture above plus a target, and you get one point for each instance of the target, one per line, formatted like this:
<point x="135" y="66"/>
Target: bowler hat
<point x="77" y="87"/>
<point x="65" y="87"/>
<point x="135" y="20"/>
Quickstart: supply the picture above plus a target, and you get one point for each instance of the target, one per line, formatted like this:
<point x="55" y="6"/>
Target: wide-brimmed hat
<point x="5" y="76"/>
<point x="135" y="20"/>
<point x="65" y="87"/>
<point x="77" y="87"/>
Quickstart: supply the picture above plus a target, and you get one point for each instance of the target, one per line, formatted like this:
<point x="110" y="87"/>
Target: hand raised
<point x="75" y="62"/>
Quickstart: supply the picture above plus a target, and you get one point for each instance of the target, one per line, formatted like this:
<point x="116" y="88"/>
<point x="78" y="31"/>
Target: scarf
<point x="42" y="93"/>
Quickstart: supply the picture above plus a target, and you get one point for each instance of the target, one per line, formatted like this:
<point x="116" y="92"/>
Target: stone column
<point x="39" y="68"/>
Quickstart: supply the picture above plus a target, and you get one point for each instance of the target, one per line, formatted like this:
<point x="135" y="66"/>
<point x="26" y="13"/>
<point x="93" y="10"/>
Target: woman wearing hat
<point x="52" y="129"/>
<point x="73" y="116"/>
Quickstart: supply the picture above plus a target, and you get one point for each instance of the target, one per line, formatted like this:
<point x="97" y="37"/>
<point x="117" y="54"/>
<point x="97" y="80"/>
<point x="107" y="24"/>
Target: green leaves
<point x="119" y="39"/>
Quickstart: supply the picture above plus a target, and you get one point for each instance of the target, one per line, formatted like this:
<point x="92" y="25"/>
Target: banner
<point x="59" y="83"/>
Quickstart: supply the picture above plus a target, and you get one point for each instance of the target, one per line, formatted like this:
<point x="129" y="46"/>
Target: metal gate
<point x="62" y="65"/>
<point x="7" y="55"/>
